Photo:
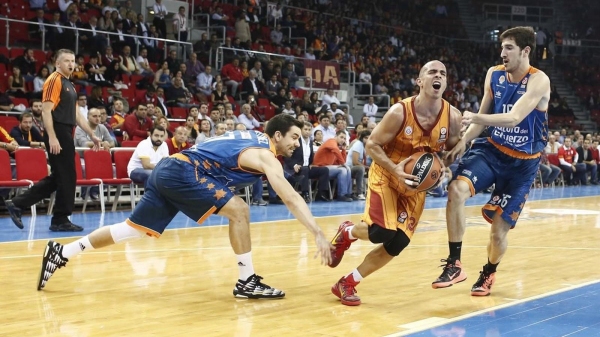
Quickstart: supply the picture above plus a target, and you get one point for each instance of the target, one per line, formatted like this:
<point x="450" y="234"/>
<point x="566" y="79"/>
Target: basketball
<point x="427" y="167"/>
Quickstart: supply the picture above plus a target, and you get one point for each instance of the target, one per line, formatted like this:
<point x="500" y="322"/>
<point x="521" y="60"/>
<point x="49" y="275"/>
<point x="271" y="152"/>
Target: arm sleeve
<point x="51" y="90"/>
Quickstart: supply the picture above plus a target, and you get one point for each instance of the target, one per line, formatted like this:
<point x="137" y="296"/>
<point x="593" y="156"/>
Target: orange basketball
<point x="427" y="167"/>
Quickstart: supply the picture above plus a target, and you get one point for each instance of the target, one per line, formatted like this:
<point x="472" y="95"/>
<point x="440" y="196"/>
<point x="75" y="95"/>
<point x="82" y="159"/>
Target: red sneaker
<point x="345" y="291"/>
<point x="341" y="242"/>
<point x="484" y="284"/>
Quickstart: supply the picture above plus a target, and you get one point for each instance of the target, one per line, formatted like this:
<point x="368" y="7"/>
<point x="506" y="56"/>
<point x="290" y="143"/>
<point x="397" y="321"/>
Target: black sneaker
<point x="254" y="288"/>
<point x="51" y="261"/>
<point x="15" y="213"/>
<point x="453" y="273"/>
<point x="66" y="227"/>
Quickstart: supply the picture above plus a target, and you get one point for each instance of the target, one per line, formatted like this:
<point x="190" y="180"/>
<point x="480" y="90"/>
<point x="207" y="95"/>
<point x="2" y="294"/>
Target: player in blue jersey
<point x="199" y="182"/>
<point x="514" y="106"/>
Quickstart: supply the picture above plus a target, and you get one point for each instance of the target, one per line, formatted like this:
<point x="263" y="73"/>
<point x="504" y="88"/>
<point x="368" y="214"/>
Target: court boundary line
<point x="496" y="307"/>
<point x="271" y="221"/>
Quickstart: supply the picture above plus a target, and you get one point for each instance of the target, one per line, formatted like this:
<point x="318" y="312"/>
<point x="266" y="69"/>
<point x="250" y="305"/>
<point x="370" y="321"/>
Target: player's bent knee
<point x="235" y="209"/>
<point x="397" y="244"/>
<point x="459" y="190"/>
<point x="378" y="234"/>
<point x="122" y="232"/>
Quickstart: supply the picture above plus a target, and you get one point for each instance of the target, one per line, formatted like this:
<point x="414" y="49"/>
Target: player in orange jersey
<point x="425" y="122"/>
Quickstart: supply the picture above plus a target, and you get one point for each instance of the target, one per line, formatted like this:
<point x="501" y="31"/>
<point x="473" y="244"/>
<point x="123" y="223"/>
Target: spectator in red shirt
<point x="572" y="171"/>
<point x="332" y="154"/>
<point x="178" y="142"/>
<point x="138" y="125"/>
<point x="232" y="76"/>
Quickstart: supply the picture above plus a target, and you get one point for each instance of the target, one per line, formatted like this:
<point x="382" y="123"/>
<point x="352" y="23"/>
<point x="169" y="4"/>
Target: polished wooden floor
<point x="181" y="284"/>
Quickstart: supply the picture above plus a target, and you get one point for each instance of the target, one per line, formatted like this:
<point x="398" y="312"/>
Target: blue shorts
<point x="484" y="165"/>
<point x="176" y="185"/>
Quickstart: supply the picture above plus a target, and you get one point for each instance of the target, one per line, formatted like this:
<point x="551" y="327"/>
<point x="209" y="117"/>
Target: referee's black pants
<point x="62" y="178"/>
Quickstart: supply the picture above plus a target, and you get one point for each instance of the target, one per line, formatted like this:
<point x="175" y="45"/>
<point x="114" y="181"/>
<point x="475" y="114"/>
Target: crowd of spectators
<point x="129" y="89"/>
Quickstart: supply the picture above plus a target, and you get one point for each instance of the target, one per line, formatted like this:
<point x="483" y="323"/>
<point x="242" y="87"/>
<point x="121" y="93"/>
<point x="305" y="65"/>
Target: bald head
<point x="435" y="64"/>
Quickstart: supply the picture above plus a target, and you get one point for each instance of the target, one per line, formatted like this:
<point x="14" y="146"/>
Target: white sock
<point x="245" y="265"/>
<point x="356" y="275"/>
<point x="349" y="230"/>
<point x="76" y="247"/>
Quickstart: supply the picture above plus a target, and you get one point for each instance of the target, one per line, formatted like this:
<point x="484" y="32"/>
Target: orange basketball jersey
<point x="412" y="138"/>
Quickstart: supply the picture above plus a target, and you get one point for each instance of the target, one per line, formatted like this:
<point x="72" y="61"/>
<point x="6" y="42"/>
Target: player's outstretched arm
<point x="454" y="145"/>
<point x="537" y="89"/>
<point x="274" y="172"/>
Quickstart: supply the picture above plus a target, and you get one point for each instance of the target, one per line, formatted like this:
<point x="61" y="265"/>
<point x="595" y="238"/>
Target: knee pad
<point x="378" y="234"/>
<point x="122" y="232"/>
<point x="397" y="244"/>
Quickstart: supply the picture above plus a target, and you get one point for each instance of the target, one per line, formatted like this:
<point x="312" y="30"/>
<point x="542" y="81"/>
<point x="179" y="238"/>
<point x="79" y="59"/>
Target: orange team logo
<point x="408" y="130"/>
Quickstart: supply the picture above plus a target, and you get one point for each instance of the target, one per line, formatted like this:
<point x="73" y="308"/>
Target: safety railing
<point x="78" y="31"/>
<point x="533" y="15"/>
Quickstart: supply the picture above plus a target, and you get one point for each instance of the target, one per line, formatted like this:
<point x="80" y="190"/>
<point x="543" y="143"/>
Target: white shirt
<point x="160" y="11"/>
<point x="327" y="133"/>
<point x="365" y="77"/>
<point x="250" y="124"/>
<point x="145" y="149"/>
<point x="370" y="110"/>
<point x="359" y="147"/>
<point x="290" y="112"/>
<point x="142" y="61"/>
<point x="552" y="149"/>
<point x="83" y="110"/>
<point x="306" y="151"/>
<point x="330" y="99"/>
<point x="181" y="21"/>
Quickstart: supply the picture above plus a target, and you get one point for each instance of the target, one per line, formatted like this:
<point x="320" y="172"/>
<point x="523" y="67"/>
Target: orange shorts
<point x="387" y="208"/>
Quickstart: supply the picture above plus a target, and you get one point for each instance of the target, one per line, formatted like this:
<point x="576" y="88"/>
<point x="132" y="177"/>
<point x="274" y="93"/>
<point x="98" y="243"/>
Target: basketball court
<point x="181" y="284"/>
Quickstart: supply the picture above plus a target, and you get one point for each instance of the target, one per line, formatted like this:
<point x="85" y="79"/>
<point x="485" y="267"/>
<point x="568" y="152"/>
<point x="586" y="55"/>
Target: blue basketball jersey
<point x="529" y="137"/>
<point x="218" y="156"/>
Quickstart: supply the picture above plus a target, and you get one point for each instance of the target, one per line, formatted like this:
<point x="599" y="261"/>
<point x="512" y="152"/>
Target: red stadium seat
<point x="98" y="164"/>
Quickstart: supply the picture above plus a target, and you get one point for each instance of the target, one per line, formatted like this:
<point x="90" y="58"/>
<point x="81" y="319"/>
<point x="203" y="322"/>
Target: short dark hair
<point x="157" y="127"/>
<point x="363" y="134"/>
<point x="324" y="115"/>
<point x="523" y="36"/>
<point x="307" y="124"/>
<point x="25" y="115"/>
<point x="282" y="123"/>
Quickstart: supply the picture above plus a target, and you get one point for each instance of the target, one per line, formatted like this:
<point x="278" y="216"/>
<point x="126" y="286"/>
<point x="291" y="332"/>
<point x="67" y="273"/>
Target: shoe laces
<point x="256" y="280"/>
<point x="447" y="263"/>
<point x="348" y="289"/>
<point x="483" y="279"/>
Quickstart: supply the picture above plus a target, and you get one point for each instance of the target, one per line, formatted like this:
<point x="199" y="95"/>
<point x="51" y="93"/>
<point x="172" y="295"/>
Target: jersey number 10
<point x="506" y="108"/>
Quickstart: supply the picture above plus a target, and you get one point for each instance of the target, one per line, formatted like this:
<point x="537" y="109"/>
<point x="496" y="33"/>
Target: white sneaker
<point x="361" y="197"/>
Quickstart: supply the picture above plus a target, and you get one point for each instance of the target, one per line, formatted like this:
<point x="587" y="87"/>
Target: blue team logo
<point x="524" y="81"/>
<point x="501" y="79"/>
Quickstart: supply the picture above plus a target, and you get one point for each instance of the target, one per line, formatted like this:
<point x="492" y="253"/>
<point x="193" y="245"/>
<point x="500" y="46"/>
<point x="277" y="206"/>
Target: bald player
<point x="425" y="122"/>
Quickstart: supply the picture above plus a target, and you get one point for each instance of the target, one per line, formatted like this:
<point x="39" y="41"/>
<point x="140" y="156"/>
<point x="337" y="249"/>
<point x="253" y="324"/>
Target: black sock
<point x="455" y="248"/>
<point x="490" y="267"/>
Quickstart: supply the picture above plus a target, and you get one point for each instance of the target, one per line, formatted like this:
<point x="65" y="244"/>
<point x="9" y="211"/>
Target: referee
<point x="60" y="115"/>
